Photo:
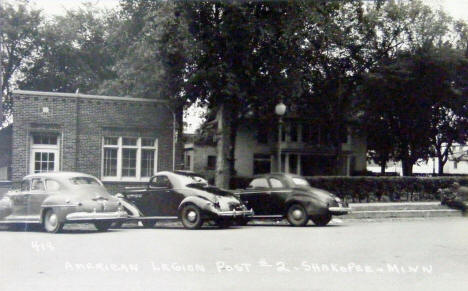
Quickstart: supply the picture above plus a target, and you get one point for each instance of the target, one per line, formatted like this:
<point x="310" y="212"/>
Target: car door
<point x="37" y="195"/>
<point x="166" y="199"/>
<point x="279" y="193"/>
<point x="19" y="200"/>
<point x="258" y="197"/>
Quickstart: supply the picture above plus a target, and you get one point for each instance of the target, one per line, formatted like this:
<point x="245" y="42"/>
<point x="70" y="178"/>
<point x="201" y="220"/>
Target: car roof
<point x="283" y="175"/>
<point x="58" y="175"/>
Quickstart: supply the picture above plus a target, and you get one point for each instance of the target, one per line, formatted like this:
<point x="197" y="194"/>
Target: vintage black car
<point x="275" y="196"/>
<point x="185" y="196"/>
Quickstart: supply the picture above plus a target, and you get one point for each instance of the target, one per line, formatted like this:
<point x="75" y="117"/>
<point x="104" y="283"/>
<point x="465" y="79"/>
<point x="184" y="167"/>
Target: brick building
<point x="121" y="140"/>
<point x="6" y="135"/>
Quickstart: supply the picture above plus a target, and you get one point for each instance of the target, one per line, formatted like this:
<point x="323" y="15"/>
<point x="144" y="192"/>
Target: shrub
<point x="371" y="189"/>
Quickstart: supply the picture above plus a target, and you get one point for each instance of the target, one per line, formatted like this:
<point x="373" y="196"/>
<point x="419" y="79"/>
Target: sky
<point x="456" y="8"/>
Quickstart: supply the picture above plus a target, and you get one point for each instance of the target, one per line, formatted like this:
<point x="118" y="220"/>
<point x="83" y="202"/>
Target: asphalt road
<point x="424" y="254"/>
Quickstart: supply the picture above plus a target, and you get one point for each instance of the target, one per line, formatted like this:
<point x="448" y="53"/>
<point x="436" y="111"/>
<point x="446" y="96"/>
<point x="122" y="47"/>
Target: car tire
<point x="191" y="217"/>
<point x="148" y="223"/>
<point x="102" y="226"/>
<point x="321" y="220"/>
<point x="51" y="222"/>
<point x="297" y="215"/>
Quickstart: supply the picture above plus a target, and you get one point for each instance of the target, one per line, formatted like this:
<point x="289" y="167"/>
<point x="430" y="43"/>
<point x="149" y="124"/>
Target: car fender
<point x="198" y="201"/>
<point x="6" y="207"/>
<point x="61" y="205"/>
<point x="312" y="205"/>
<point x="131" y="208"/>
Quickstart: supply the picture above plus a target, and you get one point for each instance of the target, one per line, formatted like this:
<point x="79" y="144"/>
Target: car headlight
<point x="337" y="199"/>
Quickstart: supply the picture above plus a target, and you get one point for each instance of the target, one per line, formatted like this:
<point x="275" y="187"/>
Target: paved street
<point x="417" y="254"/>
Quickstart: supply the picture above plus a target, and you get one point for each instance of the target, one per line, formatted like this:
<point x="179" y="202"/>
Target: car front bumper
<point x="96" y="216"/>
<point x="339" y="210"/>
<point x="235" y="213"/>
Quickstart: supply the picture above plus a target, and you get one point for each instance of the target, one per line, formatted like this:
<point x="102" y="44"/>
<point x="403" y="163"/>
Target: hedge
<point x="371" y="189"/>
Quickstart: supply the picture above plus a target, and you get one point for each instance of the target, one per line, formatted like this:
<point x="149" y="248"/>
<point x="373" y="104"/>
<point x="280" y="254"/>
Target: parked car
<point x="56" y="198"/>
<point x="277" y="196"/>
<point x="182" y="195"/>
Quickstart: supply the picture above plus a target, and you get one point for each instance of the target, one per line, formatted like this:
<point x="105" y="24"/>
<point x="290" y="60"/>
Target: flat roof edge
<point x="86" y="96"/>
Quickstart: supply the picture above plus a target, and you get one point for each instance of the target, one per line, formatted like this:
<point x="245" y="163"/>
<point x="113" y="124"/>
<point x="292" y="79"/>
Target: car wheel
<point x="297" y="215"/>
<point x="102" y="225"/>
<point x="148" y="223"/>
<point x="321" y="220"/>
<point x="52" y="223"/>
<point x="191" y="217"/>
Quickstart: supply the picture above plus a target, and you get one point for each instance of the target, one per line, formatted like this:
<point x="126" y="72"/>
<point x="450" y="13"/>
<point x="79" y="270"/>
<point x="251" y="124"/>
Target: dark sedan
<point x="276" y="196"/>
<point x="185" y="196"/>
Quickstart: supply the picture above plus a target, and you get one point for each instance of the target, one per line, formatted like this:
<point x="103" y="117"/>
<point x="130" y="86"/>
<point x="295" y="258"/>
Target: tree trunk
<point x="223" y="147"/>
<point x="383" y="165"/>
<point x="407" y="167"/>
<point x="232" y="150"/>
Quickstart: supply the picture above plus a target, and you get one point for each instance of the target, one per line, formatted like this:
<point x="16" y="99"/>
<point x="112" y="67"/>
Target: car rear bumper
<point x="339" y="210"/>
<point x="94" y="216"/>
<point x="235" y="213"/>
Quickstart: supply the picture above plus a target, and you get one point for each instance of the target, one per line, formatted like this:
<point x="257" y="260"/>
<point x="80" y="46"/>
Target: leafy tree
<point x="19" y="33"/>
<point x="73" y="53"/>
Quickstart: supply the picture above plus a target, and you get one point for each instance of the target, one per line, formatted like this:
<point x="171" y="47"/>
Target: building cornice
<point x="86" y="96"/>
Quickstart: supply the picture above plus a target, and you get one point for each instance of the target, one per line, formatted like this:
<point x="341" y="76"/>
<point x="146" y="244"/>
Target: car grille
<point x="235" y="206"/>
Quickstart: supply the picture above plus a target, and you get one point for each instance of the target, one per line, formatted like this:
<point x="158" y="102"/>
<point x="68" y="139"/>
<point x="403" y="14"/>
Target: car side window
<point x="259" y="183"/>
<point x="26" y="185"/>
<point x="161" y="182"/>
<point x="275" y="183"/>
<point x="37" y="184"/>
<point x="52" y="185"/>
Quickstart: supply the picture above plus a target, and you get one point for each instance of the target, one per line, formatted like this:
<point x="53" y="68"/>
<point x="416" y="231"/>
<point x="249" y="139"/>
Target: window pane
<point x="110" y="162"/>
<point x="147" y="163"/>
<point x="275" y="183"/>
<point x="129" y="162"/>
<point x="211" y="164"/>
<point x="129" y="141"/>
<point x="147" y="142"/>
<point x="37" y="185"/>
<point x="84" y="181"/>
<point x="111" y="140"/>
<point x="259" y="183"/>
<point x="45" y="139"/>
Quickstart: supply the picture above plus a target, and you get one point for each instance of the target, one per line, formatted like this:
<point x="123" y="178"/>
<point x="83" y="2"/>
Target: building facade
<point x="305" y="150"/>
<point x="457" y="164"/>
<point x="121" y="140"/>
<point x="6" y="135"/>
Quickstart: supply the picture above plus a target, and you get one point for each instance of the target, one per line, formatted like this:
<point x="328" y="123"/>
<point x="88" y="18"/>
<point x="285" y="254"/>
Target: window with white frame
<point x="129" y="158"/>
<point x="44" y="153"/>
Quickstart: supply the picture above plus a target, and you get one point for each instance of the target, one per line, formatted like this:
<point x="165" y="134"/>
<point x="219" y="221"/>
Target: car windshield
<point x="84" y="181"/>
<point x="192" y="179"/>
<point x="300" y="181"/>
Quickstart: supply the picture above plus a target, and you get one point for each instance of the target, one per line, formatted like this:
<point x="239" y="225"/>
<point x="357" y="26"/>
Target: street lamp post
<point x="280" y="110"/>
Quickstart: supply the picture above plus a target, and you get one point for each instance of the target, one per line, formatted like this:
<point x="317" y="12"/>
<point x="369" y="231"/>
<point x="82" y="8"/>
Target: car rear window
<point x="300" y="182"/>
<point x="84" y="181"/>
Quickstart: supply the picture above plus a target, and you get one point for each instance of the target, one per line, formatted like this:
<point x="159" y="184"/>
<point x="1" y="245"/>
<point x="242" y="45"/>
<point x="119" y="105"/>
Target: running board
<point x="18" y="221"/>
<point x="153" y="218"/>
<point x="266" y="217"/>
